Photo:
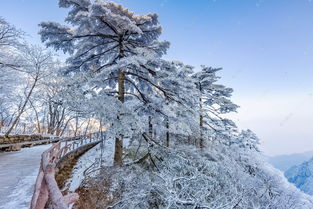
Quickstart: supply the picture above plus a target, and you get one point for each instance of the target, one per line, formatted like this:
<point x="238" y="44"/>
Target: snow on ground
<point x="18" y="172"/>
<point x="83" y="163"/>
<point x="86" y="161"/>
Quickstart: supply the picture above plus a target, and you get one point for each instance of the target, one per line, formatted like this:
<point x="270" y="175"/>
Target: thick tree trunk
<point x="118" y="154"/>
<point x="22" y="108"/>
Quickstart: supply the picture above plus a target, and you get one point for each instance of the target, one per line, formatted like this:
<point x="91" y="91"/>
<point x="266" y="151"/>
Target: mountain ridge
<point x="284" y="162"/>
<point x="302" y="176"/>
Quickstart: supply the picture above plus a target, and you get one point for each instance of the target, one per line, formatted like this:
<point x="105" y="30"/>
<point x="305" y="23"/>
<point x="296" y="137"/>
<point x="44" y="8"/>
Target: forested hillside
<point x="302" y="176"/>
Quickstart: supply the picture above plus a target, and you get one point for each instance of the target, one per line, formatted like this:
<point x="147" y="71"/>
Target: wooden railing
<point x="37" y="142"/>
<point x="46" y="186"/>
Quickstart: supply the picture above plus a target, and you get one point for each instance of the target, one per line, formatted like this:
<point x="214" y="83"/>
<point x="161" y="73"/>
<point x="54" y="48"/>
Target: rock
<point x="15" y="148"/>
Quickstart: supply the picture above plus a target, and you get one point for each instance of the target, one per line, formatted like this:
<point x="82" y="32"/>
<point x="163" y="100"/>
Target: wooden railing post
<point x="40" y="196"/>
<point x="58" y="201"/>
<point x="46" y="186"/>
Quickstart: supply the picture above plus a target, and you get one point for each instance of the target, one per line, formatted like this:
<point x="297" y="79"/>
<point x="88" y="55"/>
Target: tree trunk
<point x="167" y="133"/>
<point x="37" y="116"/>
<point x="51" y="118"/>
<point x="118" y="154"/>
<point x="87" y="127"/>
<point x="22" y="108"/>
<point x="60" y="122"/>
<point x="76" y="126"/>
<point x="1" y="124"/>
<point x="64" y="127"/>
<point x="201" y="118"/>
<point x="150" y="127"/>
<point x="201" y="134"/>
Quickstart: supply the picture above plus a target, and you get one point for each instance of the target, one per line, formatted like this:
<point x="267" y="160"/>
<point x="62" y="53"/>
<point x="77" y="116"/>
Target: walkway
<point x="18" y="172"/>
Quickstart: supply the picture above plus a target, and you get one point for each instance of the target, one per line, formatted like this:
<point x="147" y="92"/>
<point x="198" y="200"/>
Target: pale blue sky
<point x="264" y="46"/>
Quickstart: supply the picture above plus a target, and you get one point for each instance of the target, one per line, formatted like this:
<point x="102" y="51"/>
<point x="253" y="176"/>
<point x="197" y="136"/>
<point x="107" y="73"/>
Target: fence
<point x="46" y="186"/>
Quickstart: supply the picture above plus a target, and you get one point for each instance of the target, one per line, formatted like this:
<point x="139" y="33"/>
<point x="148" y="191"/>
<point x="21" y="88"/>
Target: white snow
<point x="84" y="162"/>
<point x="87" y="160"/>
<point x="18" y="172"/>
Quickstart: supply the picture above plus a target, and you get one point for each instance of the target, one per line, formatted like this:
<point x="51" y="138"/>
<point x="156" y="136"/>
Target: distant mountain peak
<point x="302" y="176"/>
<point x="284" y="162"/>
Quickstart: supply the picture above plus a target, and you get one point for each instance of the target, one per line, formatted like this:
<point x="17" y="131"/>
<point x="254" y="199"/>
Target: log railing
<point x="46" y="186"/>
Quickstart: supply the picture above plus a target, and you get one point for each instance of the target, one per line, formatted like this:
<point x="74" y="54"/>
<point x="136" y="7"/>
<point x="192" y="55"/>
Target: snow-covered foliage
<point x="116" y="71"/>
<point x="215" y="97"/>
<point x="10" y="40"/>
<point x="302" y="176"/>
<point x="34" y="64"/>
<point x="213" y="102"/>
<point x="247" y="139"/>
<point x="217" y="177"/>
<point x="25" y="87"/>
<point x="108" y="41"/>
<point x="105" y="34"/>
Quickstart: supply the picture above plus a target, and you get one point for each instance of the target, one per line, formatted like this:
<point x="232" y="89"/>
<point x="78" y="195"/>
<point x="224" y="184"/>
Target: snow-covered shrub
<point x="220" y="176"/>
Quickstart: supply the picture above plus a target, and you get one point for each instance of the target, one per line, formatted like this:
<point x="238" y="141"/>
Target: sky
<point x="264" y="46"/>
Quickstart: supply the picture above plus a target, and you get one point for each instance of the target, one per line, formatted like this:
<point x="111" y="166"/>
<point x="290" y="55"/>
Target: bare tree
<point x="35" y="63"/>
<point x="10" y="40"/>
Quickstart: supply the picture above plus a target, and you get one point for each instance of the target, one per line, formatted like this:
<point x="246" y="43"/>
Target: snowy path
<point x="18" y="172"/>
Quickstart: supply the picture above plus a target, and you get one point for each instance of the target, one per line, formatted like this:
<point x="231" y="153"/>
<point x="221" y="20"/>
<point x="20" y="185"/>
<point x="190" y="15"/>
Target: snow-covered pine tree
<point x="248" y="140"/>
<point x="113" y="52"/>
<point x="179" y="118"/>
<point x="213" y="100"/>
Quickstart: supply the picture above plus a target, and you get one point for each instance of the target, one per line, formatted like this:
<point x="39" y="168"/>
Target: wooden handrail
<point x="55" y="139"/>
<point x="46" y="186"/>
